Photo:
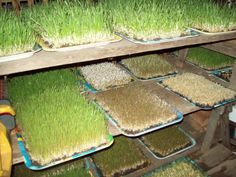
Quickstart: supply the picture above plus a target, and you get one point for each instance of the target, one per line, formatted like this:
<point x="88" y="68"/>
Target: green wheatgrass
<point x="149" y="66"/>
<point x="148" y="19"/>
<point x="178" y="169"/>
<point x="166" y="141"/>
<point x="209" y="59"/>
<point x="209" y="16"/>
<point x="71" y="169"/>
<point x="69" y="23"/>
<point x="16" y="34"/>
<point x="56" y="121"/>
<point x="124" y="155"/>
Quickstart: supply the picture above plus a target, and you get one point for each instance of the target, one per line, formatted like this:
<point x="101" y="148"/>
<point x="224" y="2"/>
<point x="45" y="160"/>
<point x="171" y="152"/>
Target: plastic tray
<point x="34" y="166"/>
<point x="192" y="34"/>
<point x="87" y="87"/>
<point x="217" y="73"/>
<point x="84" y="85"/>
<point x="97" y="172"/>
<point x="210" y="33"/>
<point x="210" y="71"/>
<point x="158" y="78"/>
<point x="193" y="143"/>
<point x="221" y="103"/>
<point x="182" y="159"/>
<point x="179" y="118"/>
<point x="79" y="47"/>
<point x="20" y="55"/>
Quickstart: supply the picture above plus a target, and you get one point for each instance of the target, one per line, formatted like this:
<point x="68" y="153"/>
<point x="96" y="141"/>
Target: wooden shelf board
<point x="51" y="59"/>
<point x="227" y="47"/>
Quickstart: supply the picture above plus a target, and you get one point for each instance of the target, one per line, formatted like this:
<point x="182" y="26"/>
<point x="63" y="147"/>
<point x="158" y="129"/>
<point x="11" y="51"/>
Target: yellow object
<point x="5" y="153"/>
<point x="4" y="109"/>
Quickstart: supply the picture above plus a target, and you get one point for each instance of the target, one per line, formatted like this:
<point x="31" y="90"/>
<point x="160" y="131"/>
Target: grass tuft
<point x="17" y="35"/>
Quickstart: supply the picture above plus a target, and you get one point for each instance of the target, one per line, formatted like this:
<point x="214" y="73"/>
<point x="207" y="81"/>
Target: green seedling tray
<point x="210" y="71"/>
<point x="158" y="156"/>
<point x="179" y="118"/>
<point x="204" y="107"/>
<point x="36" y="166"/>
<point x="182" y="159"/>
<point x="98" y="173"/>
<point x="157" y="78"/>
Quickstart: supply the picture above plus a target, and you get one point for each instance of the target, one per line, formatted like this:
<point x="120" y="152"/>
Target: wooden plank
<point x="224" y="125"/>
<point x="233" y="141"/>
<point x="227" y="47"/>
<point x="45" y="1"/>
<point x="232" y="84"/>
<point x="30" y="3"/>
<point x="215" y="156"/>
<point x="227" y="168"/>
<point x="124" y="47"/>
<point x="16" y="6"/>
<point x="211" y="128"/>
<point x="182" y="57"/>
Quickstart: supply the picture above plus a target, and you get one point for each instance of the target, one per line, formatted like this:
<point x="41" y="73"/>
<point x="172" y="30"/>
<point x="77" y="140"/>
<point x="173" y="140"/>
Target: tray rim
<point x="29" y="164"/>
<point x="217" y="72"/>
<point x="162" y="40"/>
<point x="212" y="33"/>
<point x="19" y="56"/>
<point x="80" y="46"/>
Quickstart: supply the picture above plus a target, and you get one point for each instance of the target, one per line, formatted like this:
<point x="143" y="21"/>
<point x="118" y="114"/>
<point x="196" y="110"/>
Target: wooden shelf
<point x="51" y="59"/>
<point x="181" y="104"/>
<point x="44" y="59"/>
<point x="227" y="47"/>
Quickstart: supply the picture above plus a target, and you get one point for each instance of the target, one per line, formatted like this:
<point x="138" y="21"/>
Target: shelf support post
<point x="182" y="57"/>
